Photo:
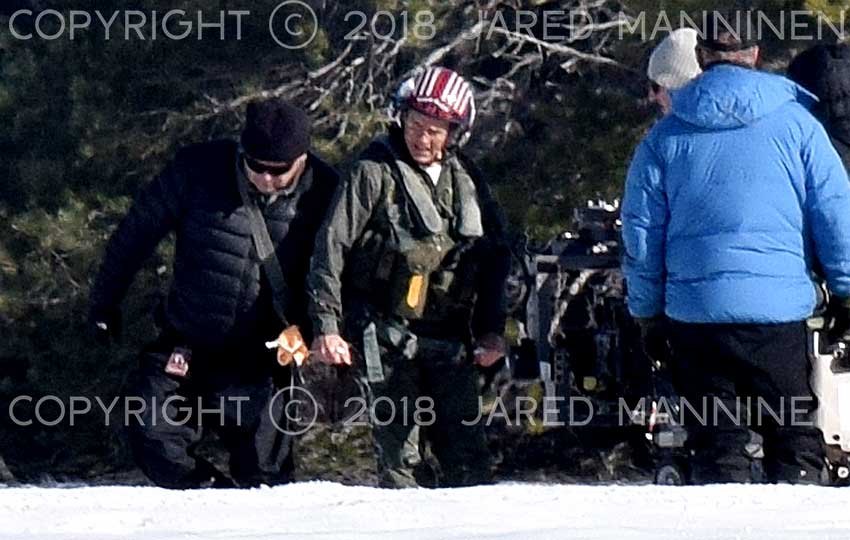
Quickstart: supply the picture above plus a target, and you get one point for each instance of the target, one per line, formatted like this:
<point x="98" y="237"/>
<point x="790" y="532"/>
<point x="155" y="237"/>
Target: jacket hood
<point x="728" y="96"/>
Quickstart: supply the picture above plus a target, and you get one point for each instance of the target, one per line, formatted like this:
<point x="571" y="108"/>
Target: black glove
<point x="838" y="312"/>
<point x="105" y="326"/>
<point x="653" y="337"/>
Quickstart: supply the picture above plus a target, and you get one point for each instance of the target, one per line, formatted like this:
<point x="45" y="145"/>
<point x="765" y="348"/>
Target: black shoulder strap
<point x="265" y="250"/>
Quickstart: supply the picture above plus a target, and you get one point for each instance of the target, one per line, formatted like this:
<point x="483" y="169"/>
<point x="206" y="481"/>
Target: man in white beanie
<point x="672" y="64"/>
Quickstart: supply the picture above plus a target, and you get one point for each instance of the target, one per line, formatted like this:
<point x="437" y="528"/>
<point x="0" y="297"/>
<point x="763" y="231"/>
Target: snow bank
<point x="322" y="511"/>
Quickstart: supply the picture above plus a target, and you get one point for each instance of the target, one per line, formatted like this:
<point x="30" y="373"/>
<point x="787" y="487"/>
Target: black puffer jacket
<point x="218" y="296"/>
<point x="824" y="70"/>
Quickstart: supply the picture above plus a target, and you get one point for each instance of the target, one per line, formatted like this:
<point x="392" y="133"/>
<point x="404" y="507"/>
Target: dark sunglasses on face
<point x="655" y="87"/>
<point x="260" y="168"/>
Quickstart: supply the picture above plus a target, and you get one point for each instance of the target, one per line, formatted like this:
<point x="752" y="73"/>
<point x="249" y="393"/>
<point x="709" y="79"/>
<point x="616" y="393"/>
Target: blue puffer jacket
<point x="729" y="199"/>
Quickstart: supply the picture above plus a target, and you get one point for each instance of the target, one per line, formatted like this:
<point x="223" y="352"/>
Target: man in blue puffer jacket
<point x="729" y="203"/>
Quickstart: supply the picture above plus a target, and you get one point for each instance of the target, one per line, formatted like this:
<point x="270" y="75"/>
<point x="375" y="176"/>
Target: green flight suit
<point x="411" y="273"/>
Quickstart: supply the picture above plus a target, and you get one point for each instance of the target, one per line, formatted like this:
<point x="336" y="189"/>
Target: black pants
<point x="233" y="393"/>
<point x="439" y="383"/>
<point x="736" y="377"/>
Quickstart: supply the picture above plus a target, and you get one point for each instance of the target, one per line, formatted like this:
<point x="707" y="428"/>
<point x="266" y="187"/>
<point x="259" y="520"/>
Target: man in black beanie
<point x="210" y="365"/>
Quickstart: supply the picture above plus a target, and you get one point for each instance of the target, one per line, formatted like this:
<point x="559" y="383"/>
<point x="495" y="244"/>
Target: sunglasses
<point x="260" y="168"/>
<point x="655" y="87"/>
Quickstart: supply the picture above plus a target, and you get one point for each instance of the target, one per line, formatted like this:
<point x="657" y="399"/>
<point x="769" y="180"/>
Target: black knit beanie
<point x="275" y="131"/>
<point x="727" y="30"/>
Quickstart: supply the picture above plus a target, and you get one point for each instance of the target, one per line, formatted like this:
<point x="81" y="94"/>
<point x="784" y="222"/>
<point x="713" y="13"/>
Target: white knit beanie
<point x="673" y="63"/>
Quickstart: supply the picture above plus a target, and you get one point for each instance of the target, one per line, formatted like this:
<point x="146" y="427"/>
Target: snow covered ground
<point x="320" y="511"/>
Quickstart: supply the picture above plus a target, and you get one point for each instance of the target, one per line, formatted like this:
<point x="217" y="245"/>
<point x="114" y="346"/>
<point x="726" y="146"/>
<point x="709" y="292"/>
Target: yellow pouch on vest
<point x="415" y="290"/>
<point x="414" y="297"/>
<point x="411" y="277"/>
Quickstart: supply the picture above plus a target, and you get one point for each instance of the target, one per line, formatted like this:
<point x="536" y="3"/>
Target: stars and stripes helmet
<point x="441" y="93"/>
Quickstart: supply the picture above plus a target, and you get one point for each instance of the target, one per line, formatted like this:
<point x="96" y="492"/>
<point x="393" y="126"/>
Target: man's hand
<point x="839" y="311"/>
<point x="489" y="349"/>
<point x="332" y="349"/>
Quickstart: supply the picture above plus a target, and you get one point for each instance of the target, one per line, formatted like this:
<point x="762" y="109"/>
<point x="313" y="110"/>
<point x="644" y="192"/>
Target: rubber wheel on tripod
<point x="669" y="475"/>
